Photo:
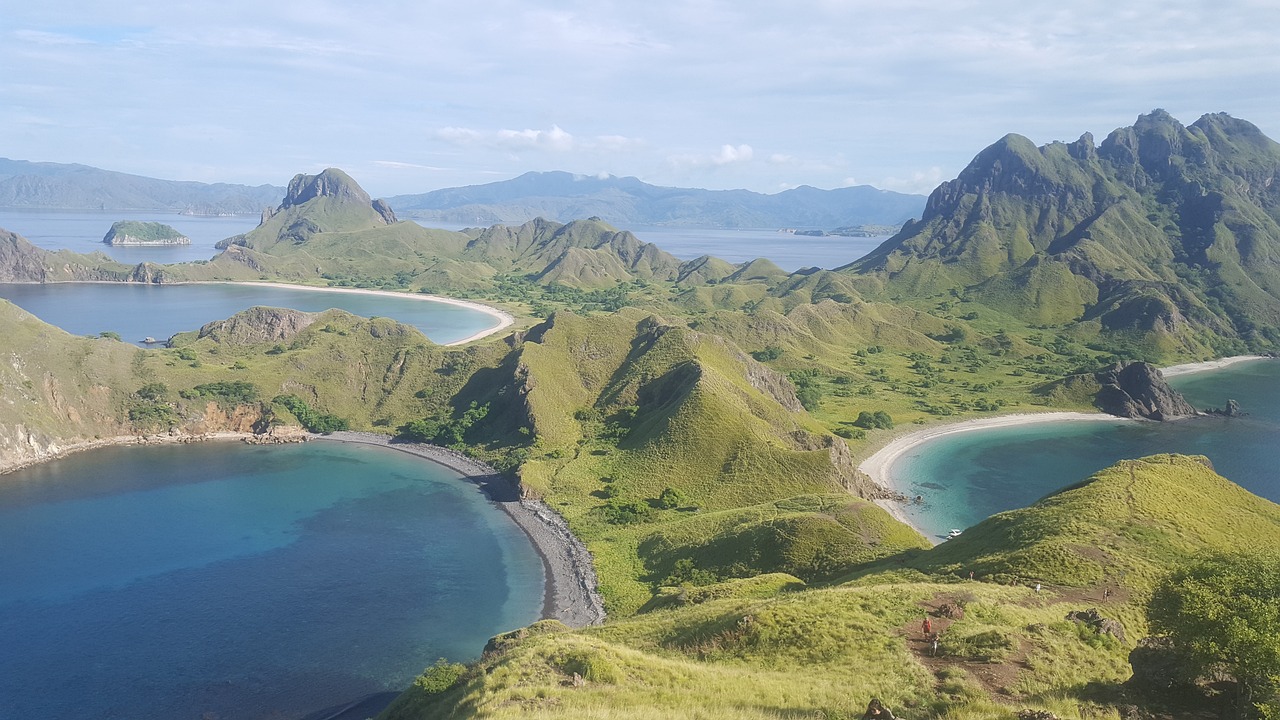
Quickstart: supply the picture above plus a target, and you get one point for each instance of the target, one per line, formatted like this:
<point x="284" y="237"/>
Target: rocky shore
<point x="571" y="595"/>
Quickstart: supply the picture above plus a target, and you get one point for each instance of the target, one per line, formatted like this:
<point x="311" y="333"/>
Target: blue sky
<point x="413" y="96"/>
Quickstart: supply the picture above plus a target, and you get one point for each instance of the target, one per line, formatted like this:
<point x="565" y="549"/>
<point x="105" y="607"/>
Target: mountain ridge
<point x="627" y="200"/>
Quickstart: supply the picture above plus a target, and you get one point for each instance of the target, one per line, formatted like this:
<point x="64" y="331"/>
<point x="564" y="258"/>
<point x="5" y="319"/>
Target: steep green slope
<point x="607" y="413"/>
<point x="766" y="647"/>
<point x="1163" y="232"/>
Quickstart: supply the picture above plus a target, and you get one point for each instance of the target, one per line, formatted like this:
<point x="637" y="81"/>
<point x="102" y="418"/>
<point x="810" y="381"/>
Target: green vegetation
<point x="1223" y="612"/>
<point x="697" y="424"/>
<point x="310" y="419"/>
<point x="133" y="232"/>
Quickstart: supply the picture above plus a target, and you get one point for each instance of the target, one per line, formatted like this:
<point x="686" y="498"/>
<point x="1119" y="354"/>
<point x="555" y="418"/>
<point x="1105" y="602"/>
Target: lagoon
<point x="243" y="582"/>
<point x="137" y="311"/>
<point x="969" y="476"/>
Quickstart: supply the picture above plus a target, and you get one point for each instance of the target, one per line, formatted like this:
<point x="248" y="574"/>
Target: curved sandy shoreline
<point x="505" y="319"/>
<point x="879" y="465"/>
<point x="1189" y="368"/>
<point x="571" y="594"/>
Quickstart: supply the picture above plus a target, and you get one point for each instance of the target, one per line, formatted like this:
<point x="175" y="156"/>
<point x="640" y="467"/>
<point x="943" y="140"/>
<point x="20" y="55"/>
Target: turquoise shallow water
<point x="138" y="311"/>
<point x="246" y="582"/>
<point x="969" y="476"/>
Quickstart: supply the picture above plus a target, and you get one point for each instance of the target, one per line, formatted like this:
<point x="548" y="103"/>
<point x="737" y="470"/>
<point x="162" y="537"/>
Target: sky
<point x="414" y="95"/>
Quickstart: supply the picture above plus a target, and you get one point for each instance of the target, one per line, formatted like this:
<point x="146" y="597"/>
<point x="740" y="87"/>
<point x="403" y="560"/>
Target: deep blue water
<point x="969" y="476"/>
<point x="240" y="582"/>
<point x="138" y="311"/>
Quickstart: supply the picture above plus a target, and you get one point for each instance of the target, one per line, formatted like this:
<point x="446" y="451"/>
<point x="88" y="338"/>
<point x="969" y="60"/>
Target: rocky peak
<point x="331" y="183"/>
<point x="1138" y="390"/>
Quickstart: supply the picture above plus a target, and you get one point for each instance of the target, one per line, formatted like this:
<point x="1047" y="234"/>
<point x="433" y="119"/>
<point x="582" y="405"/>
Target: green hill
<point x="1163" y="232"/>
<point x="767" y="647"/>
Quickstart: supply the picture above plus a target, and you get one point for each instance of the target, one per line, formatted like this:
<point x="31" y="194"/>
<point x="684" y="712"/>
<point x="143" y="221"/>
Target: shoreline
<point x="879" y="465"/>
<point x="570" y="594"/>
<point x="59" y="452"/>
<point x="1198" y="367"/>
<point x="504" y="318"/>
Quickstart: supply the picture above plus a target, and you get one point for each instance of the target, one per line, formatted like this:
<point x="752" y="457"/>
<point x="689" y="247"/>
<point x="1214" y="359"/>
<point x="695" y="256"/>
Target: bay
<point x="244" y="582"/>
<point x="966" y="477"/>
<point x="137" y="311"/>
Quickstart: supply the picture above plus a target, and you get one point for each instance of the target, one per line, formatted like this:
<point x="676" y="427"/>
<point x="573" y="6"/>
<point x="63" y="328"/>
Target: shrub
<point x="311" y="419"/>
<point x="626" y="512"/>
<point x="670" y="498"/>
<point x="874" y="420"/>
<point x="773" y="352"/>
<point x="439" y="677"/>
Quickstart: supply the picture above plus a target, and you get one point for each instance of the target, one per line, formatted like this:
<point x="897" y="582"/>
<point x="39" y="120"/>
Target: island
<point x="134" y="232"/>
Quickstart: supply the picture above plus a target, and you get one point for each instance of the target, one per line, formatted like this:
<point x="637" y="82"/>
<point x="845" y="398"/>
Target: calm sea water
<point x="82" y="232"/>
<point x="137" y="311"/>
<point x="969" y="476"/>
<point x="240" y="582"/>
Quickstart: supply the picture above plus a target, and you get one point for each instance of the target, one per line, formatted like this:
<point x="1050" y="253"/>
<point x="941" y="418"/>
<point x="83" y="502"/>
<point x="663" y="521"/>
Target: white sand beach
<point x="505" y="320"/>
<point x="1188" y="368"/>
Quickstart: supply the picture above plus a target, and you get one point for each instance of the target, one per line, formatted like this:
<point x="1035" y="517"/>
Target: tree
<point x="1224" y="611"/>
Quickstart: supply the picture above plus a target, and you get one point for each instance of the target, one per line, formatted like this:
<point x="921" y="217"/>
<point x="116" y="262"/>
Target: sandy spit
<point x="505" y="320"/>
<point x="1188" y="368"/>
<point x="571" y="594"/>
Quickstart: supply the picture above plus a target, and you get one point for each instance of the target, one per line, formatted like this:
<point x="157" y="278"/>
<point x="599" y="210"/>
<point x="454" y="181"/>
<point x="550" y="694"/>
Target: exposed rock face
<point x="330" y="183"/>
<point x="258" y="325"/>
<point x="1138" y="390"/>
<point x="1231" y="410"/>
<point x="1100" y="625"/>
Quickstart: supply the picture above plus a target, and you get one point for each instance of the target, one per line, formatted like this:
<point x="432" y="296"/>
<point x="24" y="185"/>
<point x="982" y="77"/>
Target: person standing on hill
<point x="927" y="626"/>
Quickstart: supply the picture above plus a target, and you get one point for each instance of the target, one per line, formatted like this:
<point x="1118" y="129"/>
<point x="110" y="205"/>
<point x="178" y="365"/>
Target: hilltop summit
<point x="1168" y="231"/>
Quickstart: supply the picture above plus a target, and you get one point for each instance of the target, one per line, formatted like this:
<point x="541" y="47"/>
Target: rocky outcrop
<point x="258" y="325"/>
<point x="1232" y="409"/>
<point x="1138" y="390"/>
<point x="1101" y="625"/>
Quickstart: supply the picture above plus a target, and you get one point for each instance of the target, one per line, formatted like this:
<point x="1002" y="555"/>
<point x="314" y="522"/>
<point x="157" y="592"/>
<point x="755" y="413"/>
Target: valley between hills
<point x="698" y="425"/>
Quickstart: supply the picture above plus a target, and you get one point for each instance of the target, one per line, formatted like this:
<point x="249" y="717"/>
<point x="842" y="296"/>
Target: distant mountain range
<point x="59" y="186"/>
<point x="625" y="201"/>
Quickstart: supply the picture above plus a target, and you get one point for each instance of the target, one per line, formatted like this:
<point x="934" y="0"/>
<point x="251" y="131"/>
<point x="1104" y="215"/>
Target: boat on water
<point x="955" y="532"/>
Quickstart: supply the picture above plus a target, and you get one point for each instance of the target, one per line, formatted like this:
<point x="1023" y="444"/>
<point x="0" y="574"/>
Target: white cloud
<point x="555" y="139"/>
<point x="733" y="154"/>
<point x="459" y="135"/>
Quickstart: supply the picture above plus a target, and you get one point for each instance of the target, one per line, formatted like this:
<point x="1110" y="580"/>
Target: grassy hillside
<point x="1162" y="233"/>
<point x="769" y="647"/>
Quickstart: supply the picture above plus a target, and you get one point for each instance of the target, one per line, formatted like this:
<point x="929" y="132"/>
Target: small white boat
<point x="954" y="533"/>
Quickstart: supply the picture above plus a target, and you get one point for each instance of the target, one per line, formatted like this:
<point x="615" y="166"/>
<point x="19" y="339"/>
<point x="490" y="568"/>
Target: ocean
<point x="244" y="582"/>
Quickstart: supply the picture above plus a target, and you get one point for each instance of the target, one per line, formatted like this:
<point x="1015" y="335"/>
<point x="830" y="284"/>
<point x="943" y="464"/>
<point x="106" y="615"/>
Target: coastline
<point x="879" y="465"/>
<point x="56" y="452"/>
<point x="570" y="594"/>
<point x="505" y="319"/>
<point x="1197" y="367"/>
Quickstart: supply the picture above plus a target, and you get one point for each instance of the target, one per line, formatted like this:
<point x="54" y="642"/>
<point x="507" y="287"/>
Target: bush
<point x="237" y="392"/>
<point x="670" y="498"/>
<point x="773" y="352"/>
<point x="311" y="419"/>
<point x="810" y="397"/>
<point x="988" y="645"/>
<point x="626" y="512"/>
<point x="439" y="677"/>
<point x="878" y="420"/>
